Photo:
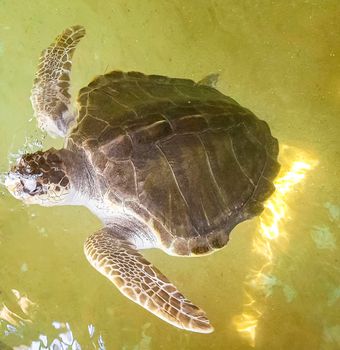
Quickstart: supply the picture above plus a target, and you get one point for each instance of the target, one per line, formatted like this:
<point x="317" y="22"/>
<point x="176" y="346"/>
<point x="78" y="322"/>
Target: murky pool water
<point x="277" y="283"/>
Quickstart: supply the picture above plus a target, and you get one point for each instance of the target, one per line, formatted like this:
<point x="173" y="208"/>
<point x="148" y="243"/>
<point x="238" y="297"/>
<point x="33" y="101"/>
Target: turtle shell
<point x="179" y="155"/>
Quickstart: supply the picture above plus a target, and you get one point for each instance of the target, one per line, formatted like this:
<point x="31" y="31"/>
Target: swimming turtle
<point x="164" y="163"/>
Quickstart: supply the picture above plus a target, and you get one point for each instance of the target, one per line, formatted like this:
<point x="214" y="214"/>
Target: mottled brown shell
<point x="185" y="158"/>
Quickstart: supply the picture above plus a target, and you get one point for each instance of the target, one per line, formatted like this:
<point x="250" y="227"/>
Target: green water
<point x="281" y="59"/>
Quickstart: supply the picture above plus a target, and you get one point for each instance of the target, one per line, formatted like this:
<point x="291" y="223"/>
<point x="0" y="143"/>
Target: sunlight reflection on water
<point x="12" y="323"/>
<point x="272" y="238"/>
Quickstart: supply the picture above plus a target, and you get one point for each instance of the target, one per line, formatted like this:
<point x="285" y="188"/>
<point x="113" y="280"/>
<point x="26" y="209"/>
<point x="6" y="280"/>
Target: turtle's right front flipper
<point x="50" y="94"/>
<point x="135" y="277"/>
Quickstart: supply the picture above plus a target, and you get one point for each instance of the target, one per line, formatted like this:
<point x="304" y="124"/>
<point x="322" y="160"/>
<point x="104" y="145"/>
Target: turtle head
<point x="39" y="178"/>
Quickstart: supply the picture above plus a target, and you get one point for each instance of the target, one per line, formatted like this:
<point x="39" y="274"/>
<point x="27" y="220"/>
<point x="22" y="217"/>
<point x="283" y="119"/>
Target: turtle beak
<point x="19" y="188"/>
<point x="14" y="185"/>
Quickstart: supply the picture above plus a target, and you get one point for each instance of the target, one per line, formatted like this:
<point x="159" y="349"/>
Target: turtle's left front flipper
<point x="118" y="260"/>
<point x="50" y="96"/>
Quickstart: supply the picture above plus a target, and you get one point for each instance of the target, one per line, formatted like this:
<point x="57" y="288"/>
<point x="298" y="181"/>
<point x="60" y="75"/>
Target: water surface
<point x="276" y="285"/>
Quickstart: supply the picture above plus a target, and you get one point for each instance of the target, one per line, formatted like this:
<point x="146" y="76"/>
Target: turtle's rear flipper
<point x="210" y="80"/>
<point x="140" y="281"/>
<point x="50" y="94"/>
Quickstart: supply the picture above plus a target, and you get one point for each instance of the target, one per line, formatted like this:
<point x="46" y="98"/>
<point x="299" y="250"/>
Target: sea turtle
<point x="164" y="163"/>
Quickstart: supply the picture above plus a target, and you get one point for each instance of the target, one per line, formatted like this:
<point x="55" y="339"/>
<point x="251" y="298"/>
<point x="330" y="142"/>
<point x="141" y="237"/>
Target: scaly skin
<point x="50" y="94"/>
<point x="135" y="277"/>
<point x="39" y="178"/>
